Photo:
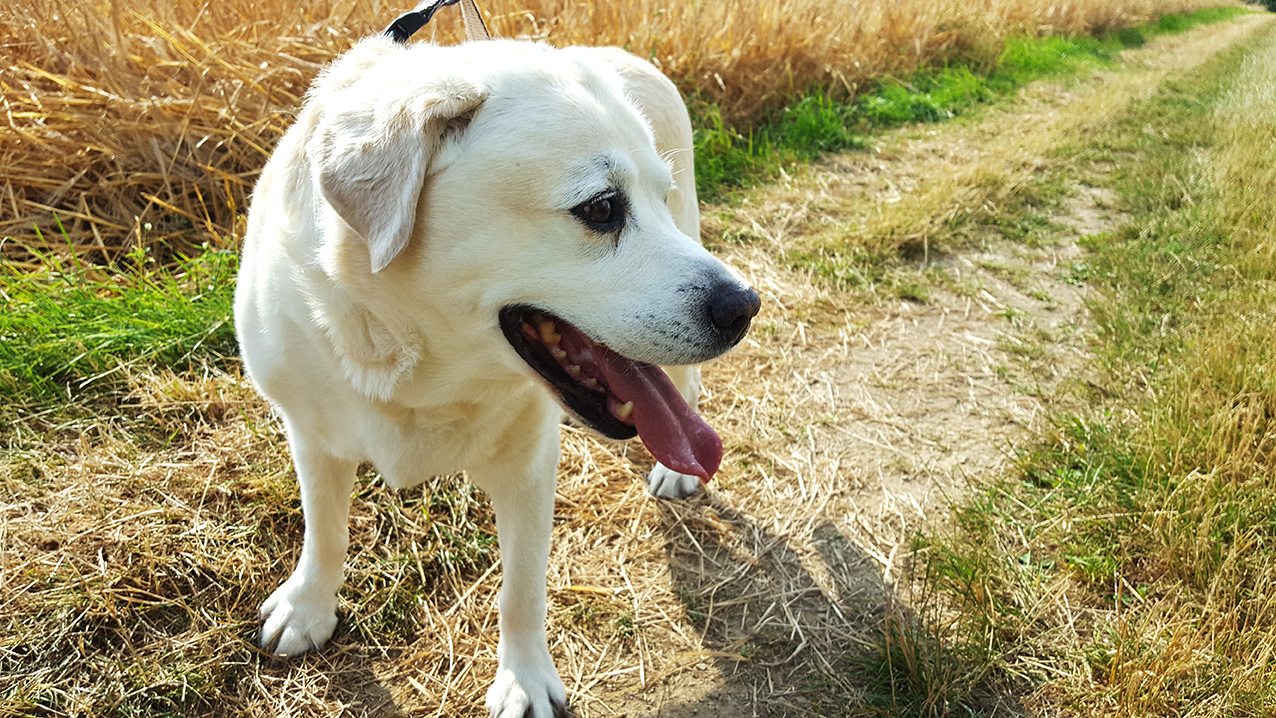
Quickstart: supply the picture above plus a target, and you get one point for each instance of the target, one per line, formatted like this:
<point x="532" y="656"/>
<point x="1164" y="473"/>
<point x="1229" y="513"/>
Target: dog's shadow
<point x="783" y="616"/>
<point x="780" y="617"/>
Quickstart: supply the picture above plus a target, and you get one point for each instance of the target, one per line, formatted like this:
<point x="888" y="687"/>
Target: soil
<point x="882" y="410"/>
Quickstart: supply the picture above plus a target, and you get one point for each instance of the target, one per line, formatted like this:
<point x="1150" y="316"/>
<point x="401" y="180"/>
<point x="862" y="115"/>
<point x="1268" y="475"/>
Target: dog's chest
<point x="409" y="445"/>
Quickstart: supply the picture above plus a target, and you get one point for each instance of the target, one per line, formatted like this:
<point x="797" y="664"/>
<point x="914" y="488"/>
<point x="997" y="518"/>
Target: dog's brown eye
<point x="604" y="214"/>
<point x="599" y="211"/>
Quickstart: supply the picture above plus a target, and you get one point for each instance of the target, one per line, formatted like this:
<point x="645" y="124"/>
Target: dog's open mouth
<point x="614" y="395"/>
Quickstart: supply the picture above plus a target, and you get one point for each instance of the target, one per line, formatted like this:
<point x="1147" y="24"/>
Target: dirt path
<point x="861" y="415"/>
<point x="923" y="392"/>
<point x="849" y="419"/>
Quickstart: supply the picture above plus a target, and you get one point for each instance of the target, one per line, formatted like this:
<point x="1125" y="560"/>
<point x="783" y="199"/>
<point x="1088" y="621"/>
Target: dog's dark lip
<point x="589" y="405"/>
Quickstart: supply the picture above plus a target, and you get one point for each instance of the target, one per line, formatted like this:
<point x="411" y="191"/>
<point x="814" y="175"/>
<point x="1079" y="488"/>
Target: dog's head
<point x="513" y="192"/>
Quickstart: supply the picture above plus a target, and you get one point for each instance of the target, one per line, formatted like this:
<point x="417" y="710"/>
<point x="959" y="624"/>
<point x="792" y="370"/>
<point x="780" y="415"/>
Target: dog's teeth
<point x="623" y="411"/>
<point x="548" y="335"/>
<point x="558" y="353"/>
<point x="591" y="382"/>
<point x="573" y="370"/>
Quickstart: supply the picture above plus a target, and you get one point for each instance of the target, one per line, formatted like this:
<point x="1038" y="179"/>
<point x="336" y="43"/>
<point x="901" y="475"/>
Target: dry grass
<point x="144" y="124"/>
<point x="1210" y="635"/>
<point x="1130" y="573"/>
<point x="137" y="543"/>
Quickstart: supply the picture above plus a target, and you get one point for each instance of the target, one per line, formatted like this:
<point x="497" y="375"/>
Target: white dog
<point x="448" y="243"/>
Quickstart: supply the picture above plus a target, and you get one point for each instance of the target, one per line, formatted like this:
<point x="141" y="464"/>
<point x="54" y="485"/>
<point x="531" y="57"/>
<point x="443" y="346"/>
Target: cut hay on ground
<point x="137" y="543"/>
<point x="142" y="125"/>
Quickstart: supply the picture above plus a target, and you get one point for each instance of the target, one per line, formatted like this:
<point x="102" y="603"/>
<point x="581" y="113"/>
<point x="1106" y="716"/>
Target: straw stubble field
<point x="139" y="539"/>
<point x="143" y="124"/>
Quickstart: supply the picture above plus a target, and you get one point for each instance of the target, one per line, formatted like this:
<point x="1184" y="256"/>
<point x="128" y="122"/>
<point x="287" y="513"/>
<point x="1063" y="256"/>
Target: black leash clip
<point x="407" y="24"/>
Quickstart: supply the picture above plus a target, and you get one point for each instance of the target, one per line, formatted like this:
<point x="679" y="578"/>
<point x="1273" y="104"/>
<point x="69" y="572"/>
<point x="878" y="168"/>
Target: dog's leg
<point x="527" y="684"/>
<point x="663" y="481"/>
<point x="302" y="613"/>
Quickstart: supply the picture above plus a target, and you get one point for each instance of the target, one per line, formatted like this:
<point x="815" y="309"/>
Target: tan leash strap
<point x="475" y="28"/>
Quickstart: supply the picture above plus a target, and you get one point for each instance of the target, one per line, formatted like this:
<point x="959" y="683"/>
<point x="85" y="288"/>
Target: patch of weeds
<point x="403" y="544"/>
<point x="912" y="289"/>
<point x="917" y="667"/>
<point x="386" y="616"/>
<point x="623" y="625"/>
<point x="1176" y="23"/>
<point x="852" y="268"/>
<point x="1077" y="274"/>
<point x="168" y="688"/>
<point x="1013" y="315"/>
<point x="1130" y="37"/>
<point x="1029" y="227"/>
<point x="1092" y="466"/>
<point x="1025" y="59"/>
<point x="584" y="613"/>
<point x="464" y="549"/>
<point x="460" y="522"/>
<point x="817" y="124"/>
<point x="727" y="158"/>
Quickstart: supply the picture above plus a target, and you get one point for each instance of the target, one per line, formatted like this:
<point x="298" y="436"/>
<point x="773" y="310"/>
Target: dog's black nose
<point x="732" y="308"/>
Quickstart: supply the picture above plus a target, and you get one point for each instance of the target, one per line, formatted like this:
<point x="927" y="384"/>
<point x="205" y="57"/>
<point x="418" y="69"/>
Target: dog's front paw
<point x="669" y="484"/>
<point x="528" y="692"/>
<point x="295" y="620"/>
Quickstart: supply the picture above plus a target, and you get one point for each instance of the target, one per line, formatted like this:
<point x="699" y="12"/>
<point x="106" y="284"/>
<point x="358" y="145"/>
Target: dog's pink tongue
<point x="670" y="429"/>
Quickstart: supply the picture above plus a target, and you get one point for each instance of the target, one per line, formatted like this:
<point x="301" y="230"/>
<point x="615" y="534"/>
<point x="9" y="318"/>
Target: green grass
<point x="1127" y="567"/>
<point x="1168" y="24"/>
<point x="927" y="97"/>
<point x="70" y="329"/>
<point x="814" y="124"/>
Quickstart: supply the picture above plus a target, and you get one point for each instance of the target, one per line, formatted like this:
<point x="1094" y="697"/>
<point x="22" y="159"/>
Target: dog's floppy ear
<point x="371" y="159"/>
